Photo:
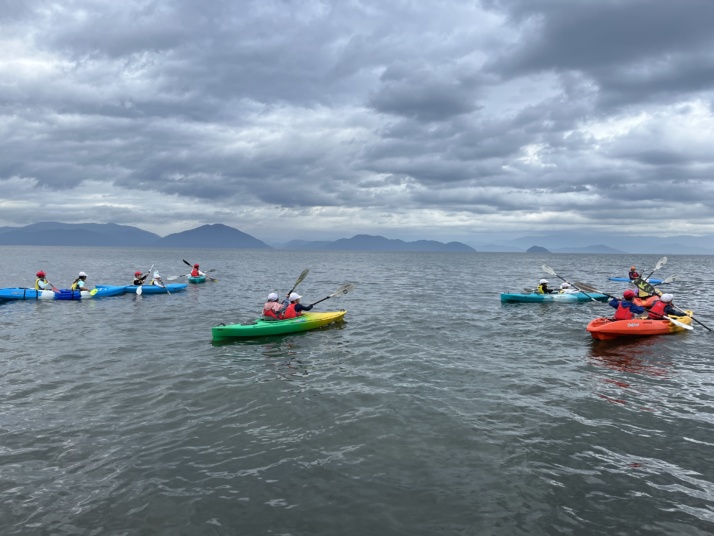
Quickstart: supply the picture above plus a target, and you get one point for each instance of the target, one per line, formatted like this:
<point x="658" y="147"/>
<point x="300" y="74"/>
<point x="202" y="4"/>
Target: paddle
<point x="665" y="317"/>
<point x="344" y="289"/>
<point x="659" y="265"/>
<point x="549" y="270"/>
<point x="159" y="283"/>
<point x="692" y="317"/>
<point x="139" y="287"/>
<point x="303" y="275"/>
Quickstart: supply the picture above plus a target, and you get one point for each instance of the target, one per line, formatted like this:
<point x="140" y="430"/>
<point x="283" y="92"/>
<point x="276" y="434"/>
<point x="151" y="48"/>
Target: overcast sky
<point x="439" y="119"/>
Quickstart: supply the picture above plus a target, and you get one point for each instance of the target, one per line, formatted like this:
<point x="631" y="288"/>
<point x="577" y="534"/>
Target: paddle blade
<point x="680" y="324"/>
<point x="93" y="291"/>
<point x="344" y="289"/>
<point x="644" y="286"/>
<point x="547" y="269"/>
<point x="139" y="290"/>
<point x="660" y="263"/>
<point x="186" y="262"/>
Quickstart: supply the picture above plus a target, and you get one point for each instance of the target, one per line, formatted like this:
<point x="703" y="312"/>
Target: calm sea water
<point x="434" y="409"/>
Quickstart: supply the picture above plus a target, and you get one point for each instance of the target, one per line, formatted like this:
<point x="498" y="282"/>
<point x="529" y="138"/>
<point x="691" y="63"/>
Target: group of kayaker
<point x="626" y="308"/>
<point x="289" y="308"/>
<point x="80" y="283"/>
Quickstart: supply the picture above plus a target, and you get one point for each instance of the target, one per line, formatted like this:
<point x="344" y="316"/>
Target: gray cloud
<point x="285" y="118"/>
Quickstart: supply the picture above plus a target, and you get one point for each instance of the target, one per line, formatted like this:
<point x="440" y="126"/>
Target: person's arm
<point x="300" y="307"/>
<point x="614" y="303"/>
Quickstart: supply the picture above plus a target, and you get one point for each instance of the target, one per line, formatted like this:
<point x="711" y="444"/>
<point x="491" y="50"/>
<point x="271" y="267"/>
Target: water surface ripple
<point x="433" y="409"/>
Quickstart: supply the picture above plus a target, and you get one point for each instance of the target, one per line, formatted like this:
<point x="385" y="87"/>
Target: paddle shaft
<point x="549" y="270"/>
<point x="692" y="317"/>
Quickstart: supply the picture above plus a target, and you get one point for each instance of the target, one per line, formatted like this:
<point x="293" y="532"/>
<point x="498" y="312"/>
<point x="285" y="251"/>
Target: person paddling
<point x="567" y="288"/>
<point x="272" y="306"/>
<point x="663" y="307"/>
<point x="196" y="272"/>
<point x="294" y="308"/>
<point x="140" y="277"/>
<point x="626" y="309"/>
<point x="543" y="287"/>
<point x="80" y="283"/>
<point x="633" y="273"/>
<point x="41" y="282"/>
<point x="156" y="281"/>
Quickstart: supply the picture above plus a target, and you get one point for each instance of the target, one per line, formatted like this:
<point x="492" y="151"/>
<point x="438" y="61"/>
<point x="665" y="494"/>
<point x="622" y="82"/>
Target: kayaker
<point x="663" y="307"/>
<point x="156" y="281"/>
<point x="196" y="272"/>
<point x="294" y="308"/>
<point x="41" y="283"/>
<point x="272" y="306"/>
<point x="566" y="288"/>
<point x="626" y="309"/>
<point x="81" y="282"/>
<point x="633" y="273"/>
<point x="140" y="277"/>
<point x="543" y="287"/>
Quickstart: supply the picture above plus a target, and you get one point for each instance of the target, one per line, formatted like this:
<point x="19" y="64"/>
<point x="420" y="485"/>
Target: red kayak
<point x="606" y="328"/>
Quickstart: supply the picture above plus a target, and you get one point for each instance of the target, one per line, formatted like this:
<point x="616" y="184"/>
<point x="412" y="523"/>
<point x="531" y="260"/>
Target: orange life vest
<point x="657" y="310"/>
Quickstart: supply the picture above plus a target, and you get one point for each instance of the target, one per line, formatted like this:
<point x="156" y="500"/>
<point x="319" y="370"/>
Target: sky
<point x="316" y="120"/>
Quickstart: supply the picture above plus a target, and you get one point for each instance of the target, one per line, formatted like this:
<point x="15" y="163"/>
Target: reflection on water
<point x="641" y="355"/>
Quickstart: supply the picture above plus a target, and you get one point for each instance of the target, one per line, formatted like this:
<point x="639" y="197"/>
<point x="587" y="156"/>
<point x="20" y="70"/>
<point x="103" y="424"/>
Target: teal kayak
<point x="197" y="279"/>
<point x="534" y="297"/>
<point x="265" y="326"/>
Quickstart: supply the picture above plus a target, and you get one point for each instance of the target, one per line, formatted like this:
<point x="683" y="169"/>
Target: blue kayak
<point x="154" y="289"/>
<point x="101" y="291"/>
<point x="533" y="297"/>
<point x="652" y="280"/>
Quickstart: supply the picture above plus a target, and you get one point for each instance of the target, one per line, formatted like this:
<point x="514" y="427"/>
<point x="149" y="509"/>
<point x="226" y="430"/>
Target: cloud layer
<point x="316" y="119"/>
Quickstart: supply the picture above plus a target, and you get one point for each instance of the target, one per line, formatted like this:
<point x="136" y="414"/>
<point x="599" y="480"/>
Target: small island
<point x="537" y="249"/>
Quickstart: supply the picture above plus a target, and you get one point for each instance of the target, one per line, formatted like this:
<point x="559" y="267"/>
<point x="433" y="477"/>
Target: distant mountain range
<point x="378" y="243"/>
<point x="222" y="236"/>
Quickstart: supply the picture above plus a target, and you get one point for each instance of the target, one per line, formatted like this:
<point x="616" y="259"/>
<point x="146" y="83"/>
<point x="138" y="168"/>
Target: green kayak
<point x="196" y="280"/>
<point x="263" y="326"/>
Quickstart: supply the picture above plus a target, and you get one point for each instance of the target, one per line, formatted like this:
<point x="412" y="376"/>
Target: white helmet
<point x="542" y="281"/>
<point x="82" y="274"/>
<point x="156" y="273"/>
<point x="667" y="298"/>
<point x="565" y="285"/>
<point x="272" y="296"/>
<point x="294" y="296"/>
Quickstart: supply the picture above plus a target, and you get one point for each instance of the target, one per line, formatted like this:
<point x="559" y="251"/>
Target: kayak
<point x="265" y="326"/>
<point x="606" y="328"/>
<point x="101" y="291"/>
<point x="535" y="297"/>
<point x="646" y="302"/>
<point x="153" y="289"/>
<point x="197" y="279"/>
<point x="652" y="280"/>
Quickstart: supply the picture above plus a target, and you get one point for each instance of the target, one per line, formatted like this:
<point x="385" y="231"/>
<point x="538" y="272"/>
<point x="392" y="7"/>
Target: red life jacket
<point x="290" y="312"/>
<point x="194" y="272"/>
<point x="657" y="310"/>
<point x="623" y="313"/>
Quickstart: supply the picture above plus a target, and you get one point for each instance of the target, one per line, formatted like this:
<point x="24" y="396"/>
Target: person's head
<point x="632" y="268"/>
<point x="565" y="285"/>
<point x="543" y="282"/>
<point x="82" y="275"/>
<point x="629" y="294"/>
<point x="294" y="297"/>
<point x="137" y="274"/>
<point x="156" y="275"/>
<point x="272" y="296"/>
<point x="195" y="265"/>
<point x="667" y="298"/>
<point x="41" y="274"/>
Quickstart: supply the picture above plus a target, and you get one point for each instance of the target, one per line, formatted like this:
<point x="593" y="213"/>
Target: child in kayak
<point x="293" y="308"/>
<point x="272" y="306"/>
<point x="626" y="309"/>
<point x="543" y="287"/>
<point x="566" y="288"/>
<point x="80" y="283"/>
<point x="41" y="283"/>
<point x="196" y="272"/>
<point x="633" y="273"/>
<point x="663" y="307"/>
<point x="157" y="280"/>
<point x="139" y="278"/>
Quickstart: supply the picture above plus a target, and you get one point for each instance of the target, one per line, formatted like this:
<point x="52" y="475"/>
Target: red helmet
<point x="41" y="274"/>
<point x="137" y="273"/>
<point x="195" y="265"/>
<point x="628" y="294"/>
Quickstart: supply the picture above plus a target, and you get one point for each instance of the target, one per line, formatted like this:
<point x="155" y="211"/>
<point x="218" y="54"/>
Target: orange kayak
<point x="647" y="302"/>
<point x="606" y="328"/>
